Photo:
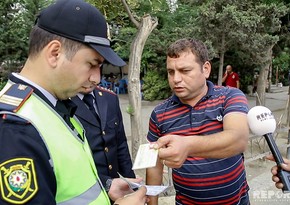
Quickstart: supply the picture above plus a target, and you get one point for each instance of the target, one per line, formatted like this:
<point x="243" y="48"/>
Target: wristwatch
<point x="108" y="184"/>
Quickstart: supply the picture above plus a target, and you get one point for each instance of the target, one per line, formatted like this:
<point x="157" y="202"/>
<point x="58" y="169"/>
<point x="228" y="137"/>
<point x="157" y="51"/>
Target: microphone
<point x="262" y="122"/>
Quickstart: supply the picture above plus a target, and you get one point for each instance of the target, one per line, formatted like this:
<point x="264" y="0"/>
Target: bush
<point x="155" y="86"/>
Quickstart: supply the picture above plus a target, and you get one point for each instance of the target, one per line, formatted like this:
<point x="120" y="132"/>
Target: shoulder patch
<point x="102" y="89"/>
<point x="14" y="97"/>
<point x="18" y="182"/>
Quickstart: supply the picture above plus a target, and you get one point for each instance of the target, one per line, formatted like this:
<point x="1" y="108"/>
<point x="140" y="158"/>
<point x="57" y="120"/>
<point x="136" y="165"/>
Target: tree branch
<point x="134" y="21"/>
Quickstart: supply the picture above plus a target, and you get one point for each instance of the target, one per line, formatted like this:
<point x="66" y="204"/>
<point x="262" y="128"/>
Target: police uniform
<point x="31" y="171"/>
<point x="106" y="135"/>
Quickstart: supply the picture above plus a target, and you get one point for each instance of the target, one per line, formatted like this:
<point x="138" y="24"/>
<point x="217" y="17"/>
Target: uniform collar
<point x="81" y="96"/>
<point x="15" y="77"/>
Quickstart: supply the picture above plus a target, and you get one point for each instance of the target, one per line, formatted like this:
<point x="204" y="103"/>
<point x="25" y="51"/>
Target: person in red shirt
<point x="231" y="78"/>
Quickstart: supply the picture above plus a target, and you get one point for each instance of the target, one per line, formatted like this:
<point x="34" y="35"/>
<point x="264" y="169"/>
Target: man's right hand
<point x="120" y="188"/>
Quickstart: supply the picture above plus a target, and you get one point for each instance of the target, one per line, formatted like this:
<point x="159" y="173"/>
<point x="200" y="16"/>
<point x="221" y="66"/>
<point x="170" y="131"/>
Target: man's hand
<point x="120" y="188"/>
<point x="274" y="171"/>
<point x="173" y="150"/>
<point x="136" y="198"/>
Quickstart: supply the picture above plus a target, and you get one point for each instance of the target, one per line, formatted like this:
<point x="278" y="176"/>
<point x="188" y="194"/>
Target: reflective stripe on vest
<point x="74" y="168"/>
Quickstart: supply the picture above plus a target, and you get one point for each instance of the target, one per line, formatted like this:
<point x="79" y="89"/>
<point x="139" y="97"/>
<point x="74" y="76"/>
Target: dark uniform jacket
<point x="106" y="135"/>
<point x="20" y="140"/>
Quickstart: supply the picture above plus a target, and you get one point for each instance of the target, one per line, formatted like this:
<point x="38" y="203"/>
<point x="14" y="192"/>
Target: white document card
<point x="145" y="157"/>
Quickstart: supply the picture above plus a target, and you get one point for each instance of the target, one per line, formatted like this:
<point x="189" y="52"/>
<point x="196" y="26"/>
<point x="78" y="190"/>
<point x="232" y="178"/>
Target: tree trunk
<point x="270" y="78"/>
<point x="221" y="70"/>
<point x="221" y="65"/>
<point x="134" y="90"/>
<point x="262" y="80"/>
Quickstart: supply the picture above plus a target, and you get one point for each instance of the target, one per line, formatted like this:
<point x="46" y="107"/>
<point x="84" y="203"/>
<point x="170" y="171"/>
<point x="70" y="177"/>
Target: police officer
<point x="99" y="113"/>
<point x="44" y="155"/>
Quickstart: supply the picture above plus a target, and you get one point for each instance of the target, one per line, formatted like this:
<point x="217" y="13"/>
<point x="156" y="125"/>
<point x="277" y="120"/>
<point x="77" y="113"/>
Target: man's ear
<point x="206" y="69"/>
<point x="53" y="51"/>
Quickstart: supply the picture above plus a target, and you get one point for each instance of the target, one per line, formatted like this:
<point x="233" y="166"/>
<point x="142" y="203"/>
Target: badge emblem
<point x="18" y="182"/>
<point x="22" y="87"/>
<point x="219" y="118"/>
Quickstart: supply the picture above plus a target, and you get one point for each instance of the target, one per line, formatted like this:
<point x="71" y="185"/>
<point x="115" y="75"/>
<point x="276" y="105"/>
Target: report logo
<point x="270" y="196"/>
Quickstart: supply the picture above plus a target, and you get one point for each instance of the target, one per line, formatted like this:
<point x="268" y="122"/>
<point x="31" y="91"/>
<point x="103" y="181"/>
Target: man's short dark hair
<point x="197" y="47"/>
<point x="39" y="38"/>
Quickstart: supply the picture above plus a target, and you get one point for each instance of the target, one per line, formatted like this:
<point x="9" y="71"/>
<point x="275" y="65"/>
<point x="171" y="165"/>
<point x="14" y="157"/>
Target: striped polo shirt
<point x="200" y="180"/>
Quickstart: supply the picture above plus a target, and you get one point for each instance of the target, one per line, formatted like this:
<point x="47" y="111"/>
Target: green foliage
<point x="155" y="86"/>
<point x="282" y="63"/>
<point x="130" y="109"/>
<point x="249" y="26"/>
<point x="122" y="41"/>
<point x="113" y="10"/>
<point x="16" y="20"/>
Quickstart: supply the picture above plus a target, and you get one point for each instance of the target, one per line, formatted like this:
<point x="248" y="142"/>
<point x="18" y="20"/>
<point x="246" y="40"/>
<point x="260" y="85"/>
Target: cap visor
<point x="109" y="55"/>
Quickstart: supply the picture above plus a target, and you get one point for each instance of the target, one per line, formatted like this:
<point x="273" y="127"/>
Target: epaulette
<point x="102" y="89"/>
<point x="14" y="97"/>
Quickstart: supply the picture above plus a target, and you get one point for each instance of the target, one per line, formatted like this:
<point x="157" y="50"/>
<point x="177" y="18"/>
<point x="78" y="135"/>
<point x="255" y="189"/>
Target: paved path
<point x="262" y="189"/>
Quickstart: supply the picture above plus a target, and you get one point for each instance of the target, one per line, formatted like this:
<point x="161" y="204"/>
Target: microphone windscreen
<point x="261" y="120"/>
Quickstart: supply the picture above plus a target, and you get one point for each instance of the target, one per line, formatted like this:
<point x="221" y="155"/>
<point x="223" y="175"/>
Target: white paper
<point x="146" y="157"/>
<point x="152" y="190"/>
<point x="155" y="190"/>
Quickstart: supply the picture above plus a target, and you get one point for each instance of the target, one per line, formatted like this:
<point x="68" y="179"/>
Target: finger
<point x="165" y="153"/>
<point x="275" y="179"/>
<point x="285" y="167"/>
<point x="141" y="192"/>
<point x="270" y="157"/>
<point x="136" y="180"/>
<point x="163" y="141"/>
<point x="147" y="199"/>
<point x="279" y="185"/>
<point x="163" y="162"/>
<point x="153" y="145"/>
<point x="274" y="170"/>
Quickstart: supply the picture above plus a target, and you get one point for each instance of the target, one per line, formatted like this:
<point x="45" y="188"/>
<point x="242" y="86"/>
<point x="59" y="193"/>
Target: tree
<point x="145" y="27"/>
<point x="248" y="26"/>
<point x="262" y="41"/>
<point x="223" y="23"/>
<point x="16" y="20"/>
<point x="12" y="41"/>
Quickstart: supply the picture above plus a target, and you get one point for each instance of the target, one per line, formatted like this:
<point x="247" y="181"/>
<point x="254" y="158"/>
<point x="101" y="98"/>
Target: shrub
<point x="155" y="86"/>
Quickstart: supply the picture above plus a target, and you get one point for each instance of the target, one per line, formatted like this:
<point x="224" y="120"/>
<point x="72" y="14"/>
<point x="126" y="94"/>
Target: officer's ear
<point x="53" y="52"/>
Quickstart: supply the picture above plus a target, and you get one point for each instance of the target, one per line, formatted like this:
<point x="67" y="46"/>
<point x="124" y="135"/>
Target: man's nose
<point x="95" y="76"/>
<point x="177" y="77"/>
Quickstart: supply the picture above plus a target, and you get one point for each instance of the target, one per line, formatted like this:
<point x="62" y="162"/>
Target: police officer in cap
<point x="44" y="154"/>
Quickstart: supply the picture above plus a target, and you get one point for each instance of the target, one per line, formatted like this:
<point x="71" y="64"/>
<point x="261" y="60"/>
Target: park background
<point x="251" y="35"/>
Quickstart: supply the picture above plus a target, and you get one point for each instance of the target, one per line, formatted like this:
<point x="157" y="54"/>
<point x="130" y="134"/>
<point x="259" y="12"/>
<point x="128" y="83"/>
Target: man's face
<point x="229" y="69"/>
<point x="186" y="77"/>
<point x="81" y="74"/>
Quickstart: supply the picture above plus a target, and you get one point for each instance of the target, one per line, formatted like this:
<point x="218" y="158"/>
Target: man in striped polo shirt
<point x="200" y="131"/>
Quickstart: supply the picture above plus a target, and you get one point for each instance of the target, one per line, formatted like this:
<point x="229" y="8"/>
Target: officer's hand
<point x="137" y="198"/>
<point x="120" y="188"/>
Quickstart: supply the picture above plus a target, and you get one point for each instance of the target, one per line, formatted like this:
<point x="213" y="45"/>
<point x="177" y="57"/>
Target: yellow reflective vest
<point x="73" y="164"/>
